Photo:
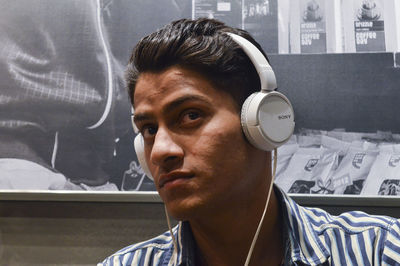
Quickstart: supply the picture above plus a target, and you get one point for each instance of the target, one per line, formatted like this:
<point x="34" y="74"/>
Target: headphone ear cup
<point x="267" y="119"/>
<point x="244" y="118"/>
<point x="139" y="149"/>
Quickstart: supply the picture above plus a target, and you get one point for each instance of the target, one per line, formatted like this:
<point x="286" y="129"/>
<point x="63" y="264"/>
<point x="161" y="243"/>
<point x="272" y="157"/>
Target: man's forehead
<point x="156" y="86"/>
<point x="153" y="84"/>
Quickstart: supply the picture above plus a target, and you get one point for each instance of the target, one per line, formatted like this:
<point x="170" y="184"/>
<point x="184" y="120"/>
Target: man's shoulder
<point x="156" y="250"/>
<point x="351" y="237"/>
<point x="352" y="222"/>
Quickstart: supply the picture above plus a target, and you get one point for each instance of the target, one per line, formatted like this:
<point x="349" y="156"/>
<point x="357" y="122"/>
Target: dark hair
<point x="200" y="45"/>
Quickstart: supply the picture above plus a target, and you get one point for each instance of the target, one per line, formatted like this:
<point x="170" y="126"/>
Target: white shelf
<point x="153" y="197"/>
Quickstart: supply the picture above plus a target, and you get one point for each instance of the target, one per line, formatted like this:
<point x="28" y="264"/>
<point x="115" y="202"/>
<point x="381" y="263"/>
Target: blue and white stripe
<point x="316" y="238"/>
<point x="352" y="238"/>
<point x="156" y="251"/>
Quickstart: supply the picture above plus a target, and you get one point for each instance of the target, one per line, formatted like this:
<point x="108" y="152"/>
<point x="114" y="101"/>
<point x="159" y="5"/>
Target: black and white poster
<point x="260" y="19"/>
<point x="64" y="111"/>
<point x="312" y="26"/>
<point x="228" y="11"/>
<point x="369" y="26"/>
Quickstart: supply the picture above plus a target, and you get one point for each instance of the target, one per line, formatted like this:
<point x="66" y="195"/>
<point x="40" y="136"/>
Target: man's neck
<point x="225" y="239"/>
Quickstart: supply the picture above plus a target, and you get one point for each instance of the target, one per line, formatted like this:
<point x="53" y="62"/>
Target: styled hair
<point x="200" y="45"/>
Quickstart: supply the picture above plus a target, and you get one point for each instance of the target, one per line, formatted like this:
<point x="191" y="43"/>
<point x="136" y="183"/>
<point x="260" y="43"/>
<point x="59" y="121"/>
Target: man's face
<point x="193" y="142"/>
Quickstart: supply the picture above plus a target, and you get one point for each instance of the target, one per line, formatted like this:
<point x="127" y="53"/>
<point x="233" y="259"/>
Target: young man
<point x="187" y="83"/>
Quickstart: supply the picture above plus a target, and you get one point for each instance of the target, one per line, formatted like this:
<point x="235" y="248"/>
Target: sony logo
<point x="280" y="117"/>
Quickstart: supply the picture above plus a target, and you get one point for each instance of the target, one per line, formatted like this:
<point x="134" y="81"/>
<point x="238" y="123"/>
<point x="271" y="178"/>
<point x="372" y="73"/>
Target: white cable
<point x="253" y="243"/>
<point x="259" y="224"/>
<point x="170" y="230"/>
<point x="107" y="108"/>
<point x="55" y="149"/>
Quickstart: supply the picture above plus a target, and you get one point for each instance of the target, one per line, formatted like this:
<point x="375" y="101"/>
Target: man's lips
<point x="165" y="178"/>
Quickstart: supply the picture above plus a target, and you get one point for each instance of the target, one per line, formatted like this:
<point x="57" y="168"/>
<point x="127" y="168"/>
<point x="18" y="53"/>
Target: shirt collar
<point x="189" y="245"/>
<point x="186" y="246"/>
<point x="304" y="242"/>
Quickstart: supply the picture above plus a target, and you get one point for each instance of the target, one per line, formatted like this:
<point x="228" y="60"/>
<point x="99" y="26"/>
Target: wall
<point x="83" y="233"/>
<point x="73" y="233"/>
<point x="358" y="92"/>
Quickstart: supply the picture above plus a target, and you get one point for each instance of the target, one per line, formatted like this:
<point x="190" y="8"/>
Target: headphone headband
<point x="263" y="68"/>
<point x="267" y="116"/>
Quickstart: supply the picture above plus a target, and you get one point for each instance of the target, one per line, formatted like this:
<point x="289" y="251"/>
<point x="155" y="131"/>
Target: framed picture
<point x="65" y="125"/>
<point x="64" y="110"/>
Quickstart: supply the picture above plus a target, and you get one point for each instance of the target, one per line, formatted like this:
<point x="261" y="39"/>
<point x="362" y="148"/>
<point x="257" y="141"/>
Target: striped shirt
<point x="314" y="237"/>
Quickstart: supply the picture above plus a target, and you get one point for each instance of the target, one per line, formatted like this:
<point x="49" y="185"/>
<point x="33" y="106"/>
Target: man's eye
<point x="148" y="131"/>
<point x="190" y="117"/>
<point x="193" y="115"/>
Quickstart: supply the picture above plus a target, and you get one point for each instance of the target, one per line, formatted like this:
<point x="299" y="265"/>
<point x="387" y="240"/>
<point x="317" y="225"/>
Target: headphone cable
<point x="253" y="243"/>
<point x="170" y="230"/>
<point x="259" y="224"/>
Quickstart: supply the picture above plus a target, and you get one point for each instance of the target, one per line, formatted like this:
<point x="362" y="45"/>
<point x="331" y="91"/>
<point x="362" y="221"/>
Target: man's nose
<point x="165" y="152"/>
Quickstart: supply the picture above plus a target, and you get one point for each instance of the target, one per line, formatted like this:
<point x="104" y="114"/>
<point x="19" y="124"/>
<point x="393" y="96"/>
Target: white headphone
<point x="267" y="116"/>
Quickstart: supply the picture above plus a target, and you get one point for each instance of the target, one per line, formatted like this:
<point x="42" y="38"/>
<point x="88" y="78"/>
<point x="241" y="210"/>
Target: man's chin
<point x="183" y="209"/>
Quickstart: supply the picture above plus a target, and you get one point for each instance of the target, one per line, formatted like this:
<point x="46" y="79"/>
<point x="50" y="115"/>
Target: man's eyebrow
<point x="171" y="106"/>
<point x="141" y="117"/>
<point x="183" y="99"/>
